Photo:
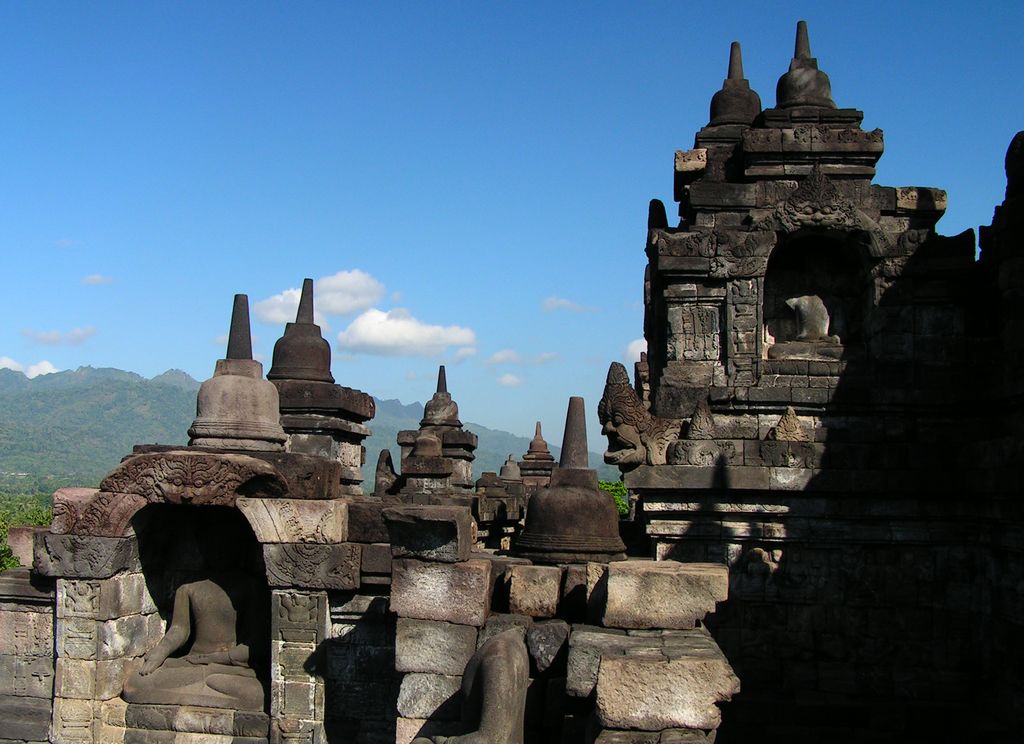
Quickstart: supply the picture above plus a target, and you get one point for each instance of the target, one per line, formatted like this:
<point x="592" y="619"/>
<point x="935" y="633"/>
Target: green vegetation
<point x="618" y="491"/>
<point x="18" y="510"/>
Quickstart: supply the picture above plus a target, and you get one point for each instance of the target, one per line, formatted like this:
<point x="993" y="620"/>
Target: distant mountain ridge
<point x="73" y="427"/>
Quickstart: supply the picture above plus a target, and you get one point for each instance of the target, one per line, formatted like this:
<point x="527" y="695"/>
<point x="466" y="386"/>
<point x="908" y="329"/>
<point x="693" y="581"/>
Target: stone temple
<point x="821" y="448"/>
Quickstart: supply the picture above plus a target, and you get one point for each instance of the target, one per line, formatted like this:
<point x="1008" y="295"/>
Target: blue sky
<point x="473" y="177"/>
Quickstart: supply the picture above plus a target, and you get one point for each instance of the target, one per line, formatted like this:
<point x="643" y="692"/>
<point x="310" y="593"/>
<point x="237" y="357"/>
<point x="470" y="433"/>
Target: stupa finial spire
<point x="735" y="62"/>
<point x="802" y="48"/>
<point x="574" y="440"/>
<point x="239" y="338"/>
<point x="442" y="380"/>
<point x="305" y="313"/>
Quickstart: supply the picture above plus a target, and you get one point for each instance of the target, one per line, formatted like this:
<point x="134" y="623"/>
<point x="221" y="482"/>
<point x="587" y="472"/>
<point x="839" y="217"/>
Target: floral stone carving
<point x="181" y="477"/>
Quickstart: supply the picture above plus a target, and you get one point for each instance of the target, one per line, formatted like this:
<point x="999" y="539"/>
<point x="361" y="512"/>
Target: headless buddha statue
<point x="217" y="614"/>
<point x="493" y="693"/>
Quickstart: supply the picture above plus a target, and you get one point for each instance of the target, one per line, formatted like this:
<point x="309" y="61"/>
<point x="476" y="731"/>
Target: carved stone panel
<point x="86" y="557"/>
<point x="312" y="565"/>
<point x="181" y="477"/>
<point x="694" y="331"/>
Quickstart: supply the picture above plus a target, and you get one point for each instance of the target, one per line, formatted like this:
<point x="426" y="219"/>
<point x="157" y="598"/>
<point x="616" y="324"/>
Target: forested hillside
<point x="71" y="428"/>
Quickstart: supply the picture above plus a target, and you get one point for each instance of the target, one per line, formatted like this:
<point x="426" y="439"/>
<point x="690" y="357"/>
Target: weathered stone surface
<point x="586" y="648"/>
<point x="21" y="541"/>
<point x="430" y="696"/>
<point x="408" y="729"/>
<point x="197" y="720"/>
<point x="433" y="647"/>
<point x="448" y="592"/>
<point x="376" y="559"/>
<point x="90" y="680"/>
<point x="299" y="616"/>
<point x="104" y="599"/>
<point x="534" y="590"/>
<point x="313" y="565"/>
<point x="80" y="556"/>
<point x="193" y="477"/>
<point x="366" y="522"/>
<point x="26" y="633"/>
<point x="296" y="520"/>
<point x="653" y="693"/>
<point x="663" y="594"/>
<point x="500" y="622"/>
<point x="548" y="642"/>
<point x="30" y="676"/>
<point x="25" y="719"/>
<point x="433" y="533"/>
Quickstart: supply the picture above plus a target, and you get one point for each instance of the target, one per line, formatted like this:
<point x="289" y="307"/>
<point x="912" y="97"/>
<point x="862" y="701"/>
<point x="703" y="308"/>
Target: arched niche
<point x="807" y="266"/>
<point x="186" y="544"/>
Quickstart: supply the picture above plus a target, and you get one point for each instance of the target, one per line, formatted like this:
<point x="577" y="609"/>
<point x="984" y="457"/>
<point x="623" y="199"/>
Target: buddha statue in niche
<point x="216" y="621"/>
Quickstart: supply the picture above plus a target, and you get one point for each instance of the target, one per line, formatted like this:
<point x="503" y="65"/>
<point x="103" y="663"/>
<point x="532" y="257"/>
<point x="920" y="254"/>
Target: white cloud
<point x="343" y="293"/>
<point x="633" y="349"/>
<point x="509" y="380"/>
<point x="551" y="304"/>
<point x="42" y="367"/>
<point x="58" y="338"/>
<point x="505" y="356"/>
<point x="398" y="333"/>
<point x="95" y="279"/>
<point x="65" y="243"/>
<point x="410" y="375"/>
<point x="464" y="353"/>
<point x="545" y="357"/>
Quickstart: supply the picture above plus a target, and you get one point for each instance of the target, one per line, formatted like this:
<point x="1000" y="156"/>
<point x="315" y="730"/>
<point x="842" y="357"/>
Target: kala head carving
<point x="635" y="436"/>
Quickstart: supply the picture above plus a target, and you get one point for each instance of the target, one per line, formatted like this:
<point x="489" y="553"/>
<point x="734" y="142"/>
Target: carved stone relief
<point x="635" y="436"/>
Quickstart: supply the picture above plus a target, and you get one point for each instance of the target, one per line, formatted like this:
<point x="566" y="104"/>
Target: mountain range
<point x="72" y="427"/>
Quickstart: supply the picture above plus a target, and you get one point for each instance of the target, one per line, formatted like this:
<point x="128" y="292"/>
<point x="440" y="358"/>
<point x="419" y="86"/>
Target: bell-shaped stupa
<point x="237" y="409"/>
<point x="804" y="84"/>
<point x="572" y="520"/>
<point x="302" y="353"/>
<point x="736" y="102"/>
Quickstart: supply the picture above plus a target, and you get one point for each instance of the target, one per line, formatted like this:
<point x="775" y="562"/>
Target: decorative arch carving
<point x="173" y="477"/>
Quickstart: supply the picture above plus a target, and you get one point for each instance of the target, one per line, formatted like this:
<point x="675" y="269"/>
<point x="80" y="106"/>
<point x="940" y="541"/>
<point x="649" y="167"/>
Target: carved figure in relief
<point x="635" y="436"/>
<point x="214" y="620"/>
<point x="493" y="692"/>
<point x="812" y="319"/>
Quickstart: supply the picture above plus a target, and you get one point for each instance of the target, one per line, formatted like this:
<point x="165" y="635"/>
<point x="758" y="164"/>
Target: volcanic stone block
<point x="90" y="680"/>
<point x="448" y="592"/>
<point x="534" y="590"/>
<point x="588" y="645"/>
<point x="433" y="533"/>
<point x="312" y="565"/>
<point x="26" y="675"/>
<point x="299" y="616"/>
<point x="651" y="693"/>
<point x="407" y="729"/>
<point x="194" y="720"/>
<point x="435" y="696"/>
<point x="376" y="558"/>
<point x="79" y="556"/>
<point x="25" y="719"/>
<point x="548" y="643"/>
<point x="124" y="594"/>
<point x="429" y="646"/>
<point x="72" y="720"/>
<point x="296" y="520"/>
<point x="26" y="633"/>
<point x="366" y="522"/>
<point x="663" y="594"/>
<point x="499" y="623"/>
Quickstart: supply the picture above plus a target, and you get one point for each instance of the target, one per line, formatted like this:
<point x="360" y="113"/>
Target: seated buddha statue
<point x="213" y="621"/>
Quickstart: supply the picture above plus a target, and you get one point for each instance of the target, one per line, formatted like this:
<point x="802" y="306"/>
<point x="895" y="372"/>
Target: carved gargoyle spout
<point x="635" y="436"/>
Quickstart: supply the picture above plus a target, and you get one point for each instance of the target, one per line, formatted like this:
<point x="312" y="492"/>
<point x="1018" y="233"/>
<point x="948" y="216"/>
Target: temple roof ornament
<point x="736" y="102"/>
